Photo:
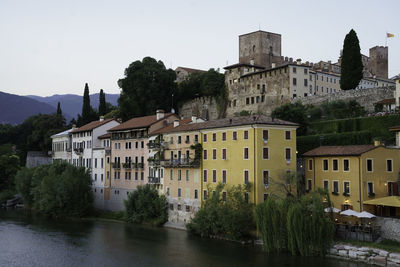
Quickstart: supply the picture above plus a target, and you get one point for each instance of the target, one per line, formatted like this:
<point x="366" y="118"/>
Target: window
<point x="179" y="207"/>
<point x="288" y="154"/>
<point x="370" y="189"/>
<point x="287" y="135"/>
<point x="187" y="208"/>
<point x="346" y="165"/>
<point x="335" y="187"/>
<point x="369" y="165"/>
<point x="205" y="176"/>
<point x="171" y="175"/>
<point x="265" y="196"/>
<point x="265" y="135"/>
<point x="205" y="194"/>
<point x="95" y="176"/>
<point x="325" y="164"/>
<point x="214" y="174"/>
<point x="179" y="139"/>
<point x="246" y="135"/>
<point x="309" y="185"/>
<point x="196" y="138"/>
<point x="214" y="137"/>
<point x="310" y="164"/>
<point x="389" y="165"/>
<point x="187" y="175"/>
<point x="224" y="153"/>
<point x="223" y="136"/>
<point x="246" y="176"/>
<point x="246" y="153"/>
<point x="246" y="197"/>
<point x="179" y="192"/>
<point x="346" y="188"/>
<point x="224" y="196"/>
<point x="305" y="82"/>
<point x="326" y="185"/>
<point x="294" y="81"/>
<point x="204" y="154"/>
<point x="196" y="194"/>
<point x="214" y="154"/>
<point x="247" y="101"/>
<point x="305" y="71"/>
<point x="294" y="69"/>
<point x="234" y="135"/>
<point x="142" y="176"/>
<point x="265" y="153"/>
<point x="179" y="175"/>
<point x="204" y="137"/>
<point x="224" y="176"/>
<point x="335" y="165"/>
<point x="95" y="163"/>
<point x="266" y="178"/>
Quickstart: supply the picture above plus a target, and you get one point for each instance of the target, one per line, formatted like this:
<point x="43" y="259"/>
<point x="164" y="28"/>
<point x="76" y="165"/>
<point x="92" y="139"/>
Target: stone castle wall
<point x="389" y="228"/>
<point x="201" y="107"/>
<point x="365" y="97"/>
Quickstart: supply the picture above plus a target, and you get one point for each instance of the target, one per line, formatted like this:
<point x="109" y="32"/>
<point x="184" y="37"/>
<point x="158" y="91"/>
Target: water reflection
<point x="30" y="240"/>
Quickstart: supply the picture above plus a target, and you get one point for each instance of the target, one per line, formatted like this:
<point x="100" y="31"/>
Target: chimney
<point x="159" y="114"/>
<point x="377" y="143"/>
<point x="73" y="126"/>
<point x="176" y="123"/>
<point x="101" y="118"/>
<point x="298" y="61"/>
<point x="273" y="65"/>
<point x="194" y="118"/>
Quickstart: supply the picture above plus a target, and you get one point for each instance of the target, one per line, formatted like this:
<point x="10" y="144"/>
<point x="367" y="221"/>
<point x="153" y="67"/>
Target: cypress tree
<point x="351" y="65"/>
<point x="59" y="112"/>
<point x="102" y="103"/>
<point x="86" y="109"/>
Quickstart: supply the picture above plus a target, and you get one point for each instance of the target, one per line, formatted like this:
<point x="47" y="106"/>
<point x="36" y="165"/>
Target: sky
<point x="54" y="47"/>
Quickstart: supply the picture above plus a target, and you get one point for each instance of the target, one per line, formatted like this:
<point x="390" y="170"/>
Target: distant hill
<point x="71" y="105"/>
<point x="14" y="109"/>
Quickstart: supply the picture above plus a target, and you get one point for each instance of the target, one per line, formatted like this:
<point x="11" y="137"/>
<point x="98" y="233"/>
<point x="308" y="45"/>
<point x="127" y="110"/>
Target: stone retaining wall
<point x="390" y="228"/>
<point x="201" y="107"/>
<point x="368" y="255"/>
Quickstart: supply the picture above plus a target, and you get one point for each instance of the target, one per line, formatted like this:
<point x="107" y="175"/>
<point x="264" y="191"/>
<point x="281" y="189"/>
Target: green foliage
<point x="242" y="113"/>
<point x="293" y="113"/>
<point x="351" y="64"/>
<point x="86" y="108"/>
<point x="102" y="103"/>
<point x="9" y="165"/>
<point x="59" y="189"/>
<point x="378" y="107"/>
<point x="145" y="205"/>
<point x="231" y="219"/>
<point x="147" y="86"/>
<point x="296" y="225"/>
<point x="6" y="195"/>
<point x="198" y="150"/>
<point x="341" y="110"/>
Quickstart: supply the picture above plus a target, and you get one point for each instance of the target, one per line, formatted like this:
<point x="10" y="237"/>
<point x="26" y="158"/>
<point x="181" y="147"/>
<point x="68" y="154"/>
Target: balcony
<point x="138" y="165"/>
<point x="154" y="180"/>
<point x="154" y="162"/>
<point x="116" y="165"/>
<point x="157" y="145"/>
<point x="78" y="151"/>
<point x="127" y="165"/>
<point x="181" y="163"/>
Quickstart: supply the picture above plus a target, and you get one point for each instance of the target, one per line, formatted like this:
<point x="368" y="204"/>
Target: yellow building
<point x="255" y="149"/>
<point x="355" y="175"/>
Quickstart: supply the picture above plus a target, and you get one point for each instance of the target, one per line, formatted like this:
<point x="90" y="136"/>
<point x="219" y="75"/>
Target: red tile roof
<point x="355" y="150"/>
<point x="91" y="125"/>
<point x="227" y="122"/>
<point x="386" y="101"/>
<point x="105" y="136"/>
<point x="139" y="122"/>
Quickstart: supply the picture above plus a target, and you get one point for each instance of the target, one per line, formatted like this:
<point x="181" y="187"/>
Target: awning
<point x="349" y="213"/>
<point x="392" y="201"/>
<point x="152" y="138"/>
<point x="152" y="153"/>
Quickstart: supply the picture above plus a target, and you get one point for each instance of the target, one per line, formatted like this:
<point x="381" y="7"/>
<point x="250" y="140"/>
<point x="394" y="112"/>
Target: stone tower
<point x="260" y="48"/>
<point x="378" y="61"/>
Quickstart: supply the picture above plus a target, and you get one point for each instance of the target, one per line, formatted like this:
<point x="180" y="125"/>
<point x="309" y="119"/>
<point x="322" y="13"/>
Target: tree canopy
<point x="146" y="87"/>
<point x="102" y="103"/>
<point x="351" y="63"/>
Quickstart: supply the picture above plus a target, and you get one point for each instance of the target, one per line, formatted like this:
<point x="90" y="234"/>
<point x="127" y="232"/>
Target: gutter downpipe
<point x="359" y="181"/>
<point x="254" y="165"/>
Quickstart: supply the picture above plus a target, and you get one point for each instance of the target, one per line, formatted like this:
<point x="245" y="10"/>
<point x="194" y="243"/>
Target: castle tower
<point x="378" y="61"/>
<point x="260" y="48"/>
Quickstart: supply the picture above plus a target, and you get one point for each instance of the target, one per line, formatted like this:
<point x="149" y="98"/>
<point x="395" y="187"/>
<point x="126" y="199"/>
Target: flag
<point x="388" y="35"/>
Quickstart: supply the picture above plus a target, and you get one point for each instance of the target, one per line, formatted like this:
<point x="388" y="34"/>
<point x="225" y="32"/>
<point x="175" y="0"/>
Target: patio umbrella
<point x="332" y="209"/>
<point x="365" y="214"/>
<point x="349" y="213"/>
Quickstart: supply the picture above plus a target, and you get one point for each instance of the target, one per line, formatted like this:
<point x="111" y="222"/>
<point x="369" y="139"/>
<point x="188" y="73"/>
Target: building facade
<point x="62" y="146"/>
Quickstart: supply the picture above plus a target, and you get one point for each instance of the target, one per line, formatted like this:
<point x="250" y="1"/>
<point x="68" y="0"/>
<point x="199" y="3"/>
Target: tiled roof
<point x="91" y="125"/>
<point x="170" y="126"/>
<point x="355" y="150"/>
<point x="62" y="133"/>
<point x="189" y="70"/>
<point x="243" y="65"/>
<point x="105" y="136"/>
<point x="227" y="122"/>
<point x="138" y="122"/>
<point x="387" y="101"/>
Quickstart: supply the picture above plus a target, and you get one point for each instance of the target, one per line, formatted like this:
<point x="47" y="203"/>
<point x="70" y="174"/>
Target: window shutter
<point x="342" y="207"/>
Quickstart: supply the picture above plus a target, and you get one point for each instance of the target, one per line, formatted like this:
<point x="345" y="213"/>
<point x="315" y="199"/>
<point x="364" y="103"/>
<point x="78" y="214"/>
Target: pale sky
<point x="53" y="47"/>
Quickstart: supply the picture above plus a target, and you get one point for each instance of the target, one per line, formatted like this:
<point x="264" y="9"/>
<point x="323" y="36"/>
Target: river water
<point x="32" y="240"/>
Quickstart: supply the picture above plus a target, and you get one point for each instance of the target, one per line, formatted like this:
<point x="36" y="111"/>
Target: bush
<point x="231" y="218"/>
<point x="145" y="205"/>
<point x="6" y="195"/>
<point x="59" y="189"/>
<point x="296" y="225"/>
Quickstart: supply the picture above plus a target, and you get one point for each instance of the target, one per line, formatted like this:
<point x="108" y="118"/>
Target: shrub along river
<point x="32" y="240"/>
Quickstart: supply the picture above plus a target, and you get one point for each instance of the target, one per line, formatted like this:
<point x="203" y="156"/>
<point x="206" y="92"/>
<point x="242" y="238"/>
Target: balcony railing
<point x="138" y="165"/>
<point x="127" y="165"/>
<point x="176" y="163"/>
<point x="116" y="165"/>
<point x="78" y="150"/>
<point x="154" y="162"/>
<point x="154" y="180"/>
<point x="157" y="145"/>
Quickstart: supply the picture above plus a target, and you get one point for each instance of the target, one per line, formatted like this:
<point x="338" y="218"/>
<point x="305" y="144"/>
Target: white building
<point x="397" y="94"/>
<point x="61" y="146"/>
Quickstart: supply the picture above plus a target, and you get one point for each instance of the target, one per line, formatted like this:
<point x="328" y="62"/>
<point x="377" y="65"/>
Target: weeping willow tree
<point x="298" y="225"/>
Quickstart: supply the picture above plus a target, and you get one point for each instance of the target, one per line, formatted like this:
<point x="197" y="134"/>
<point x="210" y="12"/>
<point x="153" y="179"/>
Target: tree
<point x="147" y="86"/>
<point x="59" y="112"/>
<point x="9" y="165"/>
<point x="293" y="113"/>
<point x="86" y="108"/>
<point x="351" y="64"/>
<point x="102" y="103"/>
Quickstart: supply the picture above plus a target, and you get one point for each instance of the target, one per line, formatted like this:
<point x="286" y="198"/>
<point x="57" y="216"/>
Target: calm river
<point x="29" y="240"/>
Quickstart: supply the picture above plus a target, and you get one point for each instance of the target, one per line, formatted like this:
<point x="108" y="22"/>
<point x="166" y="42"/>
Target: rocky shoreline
<point x="374" y="256"/>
